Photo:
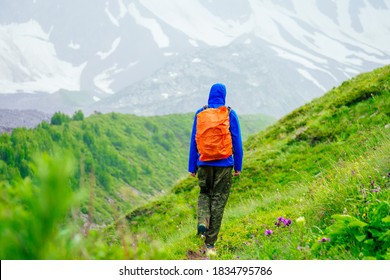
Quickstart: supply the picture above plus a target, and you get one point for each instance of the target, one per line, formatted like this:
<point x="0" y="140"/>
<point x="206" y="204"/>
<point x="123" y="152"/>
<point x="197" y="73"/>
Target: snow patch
<point x="349" y="72"/>
<point x="114" y="45"/>
<point x="122" y="12"/>
<point x="173" y="74"/>
<point x="193" y="43"/>
<point x="253" y="84"/>
<point x="301" y="60"/>
<point x="196" y="60"/>
<point x="170" y="53"/>
<point x="309" y="77"/>
<point x="122" y="9"/>
<point x="103" y="81"/>
<point x="272" y="23"/>
<point x="110" y="16"/>
<point x="25" y="49"/>
<point x="197" y="22"/>
<point x="354" y="72"/>
<point x="155" y="29"/>
<point x="74" y="46"/>
<point x="295" y="58"/>
<point x="132" y="64"/>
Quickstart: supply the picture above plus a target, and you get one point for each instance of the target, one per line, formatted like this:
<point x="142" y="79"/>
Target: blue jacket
<point x="216" y="99"/>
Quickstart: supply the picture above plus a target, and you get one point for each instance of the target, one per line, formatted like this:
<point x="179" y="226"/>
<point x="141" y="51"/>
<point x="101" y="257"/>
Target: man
<point x="214" y="175"/>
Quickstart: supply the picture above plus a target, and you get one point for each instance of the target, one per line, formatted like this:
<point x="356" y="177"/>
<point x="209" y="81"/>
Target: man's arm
<point x="193" y="154"/>
<point x="238" y="153"/>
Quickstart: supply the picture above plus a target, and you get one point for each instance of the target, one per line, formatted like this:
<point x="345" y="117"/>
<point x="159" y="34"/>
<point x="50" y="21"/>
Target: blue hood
<point x="217" y="95"/>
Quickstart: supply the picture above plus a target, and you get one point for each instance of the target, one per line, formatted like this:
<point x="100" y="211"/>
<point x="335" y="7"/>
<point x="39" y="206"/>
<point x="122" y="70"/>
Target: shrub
<point x="78" y="116"/>
<point x="59" y="118"/>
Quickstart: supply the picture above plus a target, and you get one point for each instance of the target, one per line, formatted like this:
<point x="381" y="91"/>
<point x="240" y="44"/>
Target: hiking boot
<point x="202" y="230"/>
<point x="210" y="250"/>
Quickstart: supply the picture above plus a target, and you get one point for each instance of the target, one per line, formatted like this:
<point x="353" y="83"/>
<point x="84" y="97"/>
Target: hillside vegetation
<point x="318" y="180"/>
<point x="116" y="163"/>
<point x="315" y="185"/>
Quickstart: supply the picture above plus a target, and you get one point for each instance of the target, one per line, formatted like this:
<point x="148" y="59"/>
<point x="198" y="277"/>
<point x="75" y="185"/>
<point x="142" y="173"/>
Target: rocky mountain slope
<point x="147" y="54"/>
<point x="10" y="119"/>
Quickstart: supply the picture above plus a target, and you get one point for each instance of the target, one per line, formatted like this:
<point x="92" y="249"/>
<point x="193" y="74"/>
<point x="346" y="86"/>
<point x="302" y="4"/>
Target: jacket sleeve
<point x="235" y="131"/>
<point x="193" y="155"/>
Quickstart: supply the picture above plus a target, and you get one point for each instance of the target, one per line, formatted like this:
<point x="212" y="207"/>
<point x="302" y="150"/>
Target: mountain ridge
<point x="322" y="43"/>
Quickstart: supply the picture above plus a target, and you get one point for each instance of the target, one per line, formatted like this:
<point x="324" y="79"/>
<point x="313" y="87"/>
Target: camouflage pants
<point x="214" y="183"/>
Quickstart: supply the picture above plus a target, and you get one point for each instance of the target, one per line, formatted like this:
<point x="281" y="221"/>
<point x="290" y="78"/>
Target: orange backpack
<point x="213" y="138"/>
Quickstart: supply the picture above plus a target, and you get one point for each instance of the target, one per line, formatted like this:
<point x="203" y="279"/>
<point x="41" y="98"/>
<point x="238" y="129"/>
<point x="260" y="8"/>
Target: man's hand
<point x="237" y="173"/>
<point x="193" y="174"/>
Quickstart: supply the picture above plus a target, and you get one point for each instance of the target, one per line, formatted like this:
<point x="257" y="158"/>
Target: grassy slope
<point x="324" y="158"/>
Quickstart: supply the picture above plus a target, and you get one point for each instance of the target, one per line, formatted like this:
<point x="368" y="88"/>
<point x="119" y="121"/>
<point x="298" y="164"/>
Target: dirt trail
<point x="197" y="255"/>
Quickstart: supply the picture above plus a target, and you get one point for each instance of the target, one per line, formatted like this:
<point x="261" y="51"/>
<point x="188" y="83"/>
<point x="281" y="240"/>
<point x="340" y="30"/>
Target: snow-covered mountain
<point x="157" y="57"/>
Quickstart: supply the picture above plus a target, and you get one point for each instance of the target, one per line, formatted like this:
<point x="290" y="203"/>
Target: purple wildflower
<point x="324" y="239"/>
<point x="268" y="232"/>
<point x="285" y="221"/>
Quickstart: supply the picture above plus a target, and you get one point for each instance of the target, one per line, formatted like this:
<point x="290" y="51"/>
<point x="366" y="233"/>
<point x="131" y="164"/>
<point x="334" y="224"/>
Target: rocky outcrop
<point x="11" y="119"/>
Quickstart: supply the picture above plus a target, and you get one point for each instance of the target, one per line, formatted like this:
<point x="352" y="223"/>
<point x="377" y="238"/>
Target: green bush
<point x="33" y="211"/>
<point x="78" y="116"/>
<point x="59" y="118"/>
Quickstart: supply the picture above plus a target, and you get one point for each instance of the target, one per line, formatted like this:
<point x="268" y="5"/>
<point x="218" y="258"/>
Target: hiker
<point x="214" y="164"/>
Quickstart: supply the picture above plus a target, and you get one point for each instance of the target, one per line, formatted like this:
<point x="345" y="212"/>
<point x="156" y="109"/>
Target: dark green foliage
<point x="78" y="116"/>
<point x="367" y="232"/>
<point x="88" y="138"/>
<point x="59" y="119"/>
<point x="32" y="210"/>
